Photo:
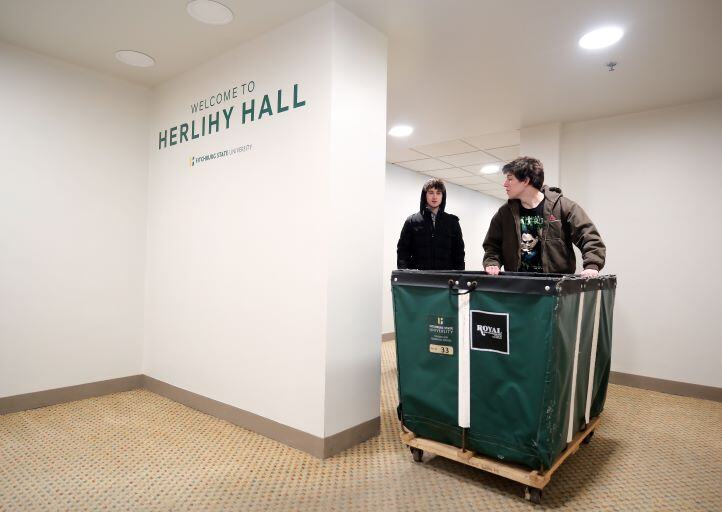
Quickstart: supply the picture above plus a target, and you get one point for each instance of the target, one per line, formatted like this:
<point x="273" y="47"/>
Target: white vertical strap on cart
<point x="464" y="363"/>
<point x="593" y="358"/>
<point x="570" y="429"/>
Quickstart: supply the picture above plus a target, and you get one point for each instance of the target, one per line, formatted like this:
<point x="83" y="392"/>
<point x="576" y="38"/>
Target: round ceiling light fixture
<point x="208" y="11"/>
<point x="601" y="38"/>
<point x="133" y="58"/>
<point x="401" y="130"/>
<point x="490" y="169"/>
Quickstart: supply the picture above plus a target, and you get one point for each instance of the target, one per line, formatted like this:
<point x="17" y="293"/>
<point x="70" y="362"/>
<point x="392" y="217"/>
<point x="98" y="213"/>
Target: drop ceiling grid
<point x="495" y="140"/>
<point x="446" y="174"/>
<point x="425" y="165"/>
<point x="455" y="147"/>
<point x="449" y="147"/>
<point x="459" y="161"/>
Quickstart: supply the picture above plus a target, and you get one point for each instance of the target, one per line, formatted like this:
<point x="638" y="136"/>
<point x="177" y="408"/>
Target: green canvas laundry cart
<point x="507" y="373"/>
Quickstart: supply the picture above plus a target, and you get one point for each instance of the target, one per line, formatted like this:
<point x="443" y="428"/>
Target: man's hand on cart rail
<point x="493" y="270"/>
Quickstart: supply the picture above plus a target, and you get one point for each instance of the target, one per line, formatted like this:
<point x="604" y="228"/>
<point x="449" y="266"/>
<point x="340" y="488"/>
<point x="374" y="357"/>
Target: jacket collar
<point x="552" y="196"/>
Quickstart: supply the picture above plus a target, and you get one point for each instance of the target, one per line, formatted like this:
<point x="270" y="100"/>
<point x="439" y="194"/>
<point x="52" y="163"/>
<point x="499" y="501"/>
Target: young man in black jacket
<point x="431" y="239"/>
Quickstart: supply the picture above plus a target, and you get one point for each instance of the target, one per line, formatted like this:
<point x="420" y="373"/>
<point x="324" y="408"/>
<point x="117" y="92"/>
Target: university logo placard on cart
<point x="490" y="331"/>
<point x="442" y="330"/>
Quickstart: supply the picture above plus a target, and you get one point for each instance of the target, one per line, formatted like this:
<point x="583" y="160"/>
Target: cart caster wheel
<point x="533" y="494"/>
<point x="417" y="454"/>
<point x="588" y="439"/>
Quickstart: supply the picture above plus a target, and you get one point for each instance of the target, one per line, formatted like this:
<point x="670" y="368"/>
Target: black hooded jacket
<point x="424" y="246"/>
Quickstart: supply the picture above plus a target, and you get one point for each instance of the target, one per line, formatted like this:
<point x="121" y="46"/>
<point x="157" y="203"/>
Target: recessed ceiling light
<point x="490" y="169"/>
<point x="401" y="130"/>
<point x="601" y="38"/>
<point x="208" y="11"/>
<point x="133" y="58"/>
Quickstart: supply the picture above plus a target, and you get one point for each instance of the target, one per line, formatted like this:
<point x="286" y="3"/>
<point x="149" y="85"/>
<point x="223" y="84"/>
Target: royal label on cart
<point x="490" y="331"/>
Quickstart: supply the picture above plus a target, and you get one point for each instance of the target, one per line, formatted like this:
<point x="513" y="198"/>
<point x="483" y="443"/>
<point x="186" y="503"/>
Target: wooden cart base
<point x="533" y="480"/>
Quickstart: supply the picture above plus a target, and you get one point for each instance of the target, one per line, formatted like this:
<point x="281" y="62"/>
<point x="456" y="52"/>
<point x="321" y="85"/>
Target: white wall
<point x="231" y="252"/>
<point x="72" y="224"/>
<point x="355" y="216"/>
<point x="256" y="260"/>
<point x="651" y="183"/>
<point x="542" y="142"/>
<point x="403" y="190"/>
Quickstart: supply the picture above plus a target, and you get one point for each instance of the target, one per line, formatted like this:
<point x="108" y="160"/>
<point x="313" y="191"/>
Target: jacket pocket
<point x="560" y="259"/>
<point x="554" y="229"/>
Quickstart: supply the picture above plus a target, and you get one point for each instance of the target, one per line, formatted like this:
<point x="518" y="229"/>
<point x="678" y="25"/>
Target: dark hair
<point x="526" y="167"/>
<point x="435" y="183"/>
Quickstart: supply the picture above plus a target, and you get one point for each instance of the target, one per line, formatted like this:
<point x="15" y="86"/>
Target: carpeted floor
<point x="139" y="451"/>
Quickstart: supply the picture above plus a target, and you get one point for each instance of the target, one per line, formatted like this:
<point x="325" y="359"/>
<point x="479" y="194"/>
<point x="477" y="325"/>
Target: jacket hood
<point x="422" y="201"/>
<point x="551" y="192"/>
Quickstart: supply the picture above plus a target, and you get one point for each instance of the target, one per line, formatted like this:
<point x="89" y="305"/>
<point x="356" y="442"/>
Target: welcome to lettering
<point x="211" y="123"/>
<point x="222" y="96"/>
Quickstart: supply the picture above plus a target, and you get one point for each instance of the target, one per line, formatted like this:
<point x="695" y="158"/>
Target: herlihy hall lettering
<point x="249" y="111"/>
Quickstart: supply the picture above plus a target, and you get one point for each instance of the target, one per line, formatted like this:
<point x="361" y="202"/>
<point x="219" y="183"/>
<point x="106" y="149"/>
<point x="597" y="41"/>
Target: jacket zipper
<point x="544" y="254"/>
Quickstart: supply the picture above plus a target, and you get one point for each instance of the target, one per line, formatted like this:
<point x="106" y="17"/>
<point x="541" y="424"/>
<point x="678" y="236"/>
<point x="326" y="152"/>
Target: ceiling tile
<point x="476" y="169"/>
<point x="395" y="155"/>
<point x="472" y="158"/>
<point x="488" y="186"/>
<point x="496" y="178"/>
<point x="454" y="172"/>
<point x="427" y="164"/>
<point x="468" y="181"/>
<point x="495" y="140"/>
<point x="450" y="147"/>
<point x="508" y="154"/>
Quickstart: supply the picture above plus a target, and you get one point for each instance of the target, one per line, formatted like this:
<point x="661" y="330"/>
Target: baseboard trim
<point x="667" y="386"/>
<point x="318" y="447"/>
<point x="388" y="336"/>
<point x="351" y="437"/>
<point x="284" y="434"/>
<point x="56" y="396"/>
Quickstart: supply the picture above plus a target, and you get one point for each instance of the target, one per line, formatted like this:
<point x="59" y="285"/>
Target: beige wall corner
<point x="351" y="437"/>
<point x="315" y="446"/>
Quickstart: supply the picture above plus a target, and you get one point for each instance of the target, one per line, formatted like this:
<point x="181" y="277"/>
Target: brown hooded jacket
<point x="565" y="223"/>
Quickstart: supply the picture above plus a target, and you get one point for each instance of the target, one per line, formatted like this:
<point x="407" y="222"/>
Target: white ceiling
<point x="458" y="69"/>
<point x="89" y="32"/>
<point x="460" y="161"/>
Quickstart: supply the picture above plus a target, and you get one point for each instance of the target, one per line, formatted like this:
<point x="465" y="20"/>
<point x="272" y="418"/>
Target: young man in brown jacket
<point x="535" y="229"/>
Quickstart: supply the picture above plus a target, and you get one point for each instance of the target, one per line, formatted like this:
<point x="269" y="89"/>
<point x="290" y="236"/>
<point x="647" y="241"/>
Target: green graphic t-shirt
<point x="530" y="225"/>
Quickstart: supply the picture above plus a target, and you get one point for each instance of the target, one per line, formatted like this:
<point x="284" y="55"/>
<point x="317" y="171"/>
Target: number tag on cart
<point x="445" y="350"/>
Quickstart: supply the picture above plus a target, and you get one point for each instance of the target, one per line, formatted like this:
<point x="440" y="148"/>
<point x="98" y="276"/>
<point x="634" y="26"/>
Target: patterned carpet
<point x="139" y="451"/>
